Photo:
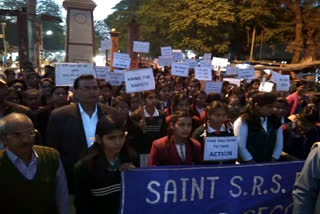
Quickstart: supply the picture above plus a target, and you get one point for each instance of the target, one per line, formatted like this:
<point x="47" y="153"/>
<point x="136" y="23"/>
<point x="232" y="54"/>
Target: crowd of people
<point x="77" y="140"/>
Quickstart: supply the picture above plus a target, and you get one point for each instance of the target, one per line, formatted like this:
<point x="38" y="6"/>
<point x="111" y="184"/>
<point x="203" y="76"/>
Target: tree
<point x="125" y="11"/>
<point x="222" y="27"/>
<point x="49" y="15"/>
<point x="304" y="11"/>
<point x="197" y="25"/>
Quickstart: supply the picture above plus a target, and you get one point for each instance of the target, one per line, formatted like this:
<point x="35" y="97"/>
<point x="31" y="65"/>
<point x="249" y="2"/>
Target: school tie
<point x="183" y="157"/>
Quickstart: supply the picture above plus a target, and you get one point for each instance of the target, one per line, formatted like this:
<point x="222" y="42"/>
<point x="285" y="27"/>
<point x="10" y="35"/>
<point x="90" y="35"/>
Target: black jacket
<point x="97" y="188"/>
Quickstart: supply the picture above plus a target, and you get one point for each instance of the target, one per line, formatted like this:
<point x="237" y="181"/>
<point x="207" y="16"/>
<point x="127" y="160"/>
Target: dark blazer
<point x="164" y="153"/>
<point x="66" y="133"/>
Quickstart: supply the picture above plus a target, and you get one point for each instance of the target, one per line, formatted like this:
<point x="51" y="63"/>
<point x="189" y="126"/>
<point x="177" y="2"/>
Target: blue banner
<point x="246" y="189"/>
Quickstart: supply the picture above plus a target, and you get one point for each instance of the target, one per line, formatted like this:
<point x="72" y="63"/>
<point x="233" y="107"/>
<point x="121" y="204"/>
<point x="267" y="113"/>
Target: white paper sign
<point x="139" y="80"/>
<point x="233" y="81"/>
<point x="66" y="73"/>
<point x="205" y="64"/>
<point x="177" y="55"/>
<point x="213" y="87"/>
<point x="221" y="148"/>
<point x="219" y="62"/>
<point x="247" y="73"/>
<point x="120" y="71"/>
<point x="275" y="76"/>
<point x="115" y="79"/>
<point x="207" y="57"/>
<point x="141" y="47"/>
<point x="283" y="83"/>
<point x="180" y="69"/>
<point x="232" y="70"/>
<point x="166" y="51"/>
<point x="144" y="160"/>
<point x="101" y="72"/>
<point x="121" y="60"/>
<point x="203" y="73"/>
<point x="106" y="44"/>
<point x="165" y="60"/>
<point x="192" y="63"/>
<point x="266" y="86"/>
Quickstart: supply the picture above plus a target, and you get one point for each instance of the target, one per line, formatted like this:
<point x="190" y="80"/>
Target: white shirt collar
<point x="211" y="130"/>
<point x="82" y="111"/>
<point x="155" y="113"/>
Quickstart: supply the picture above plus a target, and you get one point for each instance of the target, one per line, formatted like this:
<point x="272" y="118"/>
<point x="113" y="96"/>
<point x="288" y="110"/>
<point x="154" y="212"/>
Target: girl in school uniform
<point x="164" y="92"/>
<point x="216" y="124"/>
<point x="177" y="148"/>
<point x="180" y="102"/>
<point x="198" y="105"/>
<point x="151" y="122"/>
<point x="260" y="132"/>
<point x="97" y="175"/>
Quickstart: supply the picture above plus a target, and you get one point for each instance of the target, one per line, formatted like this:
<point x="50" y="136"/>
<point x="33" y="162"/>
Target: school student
<point x="164" y="91"/>
<point x="177" y="148"/>
<point x="180" y="101"/>
<point x="151" y="122"/>
<point x="216" y="124"/>
<point x="98" y="174"/>
<point x="198" y="106"/>
<point x="260" y="132"/>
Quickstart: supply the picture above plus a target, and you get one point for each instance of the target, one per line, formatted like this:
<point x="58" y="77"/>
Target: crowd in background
<point x="96" y="126"/>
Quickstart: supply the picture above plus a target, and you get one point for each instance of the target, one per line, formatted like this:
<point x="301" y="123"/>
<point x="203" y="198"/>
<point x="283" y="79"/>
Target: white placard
<point x="275" y="76"/>
<point x="177" y="55"/>
<point x="121" y="60"/>
<point x="101" y="72"/>
<point x="221" y="148"/>
<point x="283" y="83"/>
<point x="213" y="87"/>
<point x="115" y="79"/>
<point x="205" y="64"/>
<point x="139" y="80"/>
<point x="166" y="51"/>
<point x="106" y="44"/>
<point x="66" y="73"/>
<point x="207" y="57"/>
<point x="120" y="71"/>
<point x="266" y="86"/>
<point x="247" y="73"/>
<point x="232" y="70"/>
<point x="180" y="69"/>
<point x="144" y="160"/>
<point x="219" y="62"/>
<point x="141" y="47"/>
<point x="234" y="81"/>
<point x="203" y="73"/>
<point x="192" y="63"/>
<point x="165" y="60"/>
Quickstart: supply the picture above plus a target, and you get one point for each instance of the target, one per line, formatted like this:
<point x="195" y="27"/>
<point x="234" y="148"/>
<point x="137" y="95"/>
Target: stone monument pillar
<point x="80" y="42"/>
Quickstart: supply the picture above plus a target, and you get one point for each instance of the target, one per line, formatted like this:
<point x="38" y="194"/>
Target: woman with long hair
<point x="216" y="124"/>
<point x="260" y="132"/>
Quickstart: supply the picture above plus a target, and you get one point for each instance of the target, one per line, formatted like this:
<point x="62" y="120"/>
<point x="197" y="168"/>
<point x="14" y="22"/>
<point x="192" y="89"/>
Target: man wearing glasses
<point x="32" y="177"/>
<point x="8" y="107"/>
<point x="71" y="129"/>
